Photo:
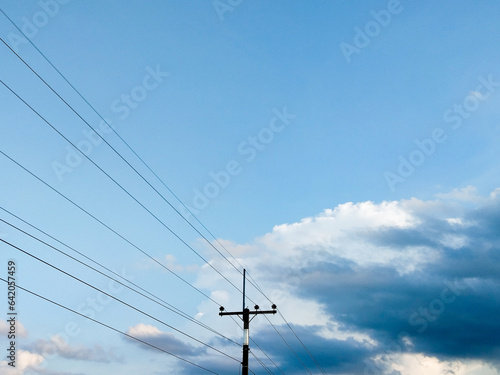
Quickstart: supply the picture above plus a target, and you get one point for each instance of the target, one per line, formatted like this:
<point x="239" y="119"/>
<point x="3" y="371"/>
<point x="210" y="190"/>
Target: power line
<point x="289" y="347"/>
<point x="130" y="148"/>
<point x="307" y="350"/>
<point x="295" y="334"/>
<point x="56" y="191"/>
<point x="257" y="345"/>
<point x="34" y="237"/>
<point x="284" y="340"/>
<point x="262" y="350"/>
<point x="120" y="186"/>
<point x="112" y="328"/>
<point x="161" y="303"/>
<point x="245" y="316"/>
<point x="261" y="363"/>
<point x="108" y="227"/>
<point x="99" y="221"/>
<point x="117" y="299"/>
<point x="123" y="158"/>
<point x="135" y="170"/>
<point x="137" y="201"/>
<point x="252" y="282"/>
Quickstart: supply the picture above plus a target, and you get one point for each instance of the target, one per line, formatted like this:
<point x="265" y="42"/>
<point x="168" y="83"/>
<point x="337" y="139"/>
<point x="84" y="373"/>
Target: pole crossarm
<point x="245" y="316"/>
<point x="250" y="312"/>
<point x="231" y="313"/>
<point x="263" y="312"/>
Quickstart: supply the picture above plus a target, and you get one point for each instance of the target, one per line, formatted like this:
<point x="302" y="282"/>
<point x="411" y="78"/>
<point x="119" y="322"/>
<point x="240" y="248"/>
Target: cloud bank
<point x="402" y="288"/>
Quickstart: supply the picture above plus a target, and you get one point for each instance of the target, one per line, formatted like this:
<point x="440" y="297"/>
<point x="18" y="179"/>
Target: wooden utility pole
<point x="245" y="316"/>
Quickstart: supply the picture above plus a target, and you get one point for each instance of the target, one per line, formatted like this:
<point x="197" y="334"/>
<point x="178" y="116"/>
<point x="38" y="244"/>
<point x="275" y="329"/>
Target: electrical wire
<point x="17" y="217"/>
<point x="130" y="148"/>
<point x="293" y="331"/>
<point x="135" y="199"/>
<point x="163" y="183"/>
<point x="83" y="210"/>
<point x="118" y="300"/>
<point x="261" y="363"/>
<point x="251" y="339"/>
<point x="119" y="185"/>
<point x="158" y="300"/>
<point x="287" y="344"/>
<point x="307" y="350"/>
<point x="132" y="167"/>
<point x="112" y="328"/>
<point x="252" y="282"/>
<point x="108" y="227"/>
<point x="274" y="364"/>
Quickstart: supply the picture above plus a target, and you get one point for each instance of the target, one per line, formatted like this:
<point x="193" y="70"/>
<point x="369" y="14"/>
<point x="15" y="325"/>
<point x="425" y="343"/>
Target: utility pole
<point x="245" y="316"/>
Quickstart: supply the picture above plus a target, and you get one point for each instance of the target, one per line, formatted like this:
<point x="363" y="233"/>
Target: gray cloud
<point x="58" y="346"/>
<point x="416" y="278"/>
<point x="383" y="303"/>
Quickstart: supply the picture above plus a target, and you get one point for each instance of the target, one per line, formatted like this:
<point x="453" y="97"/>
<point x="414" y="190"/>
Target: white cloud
<point x="342" y="232"/>
<point x="25" y="361"/>
<point x="466" y="194"/>
<point x="141" y="330"/>
<point x="20" y="330"/>
<point x="403" y="237"/>
<point x="417" y="364"/>
<point x="335" y="233"/>
<point x="333" y="224"/>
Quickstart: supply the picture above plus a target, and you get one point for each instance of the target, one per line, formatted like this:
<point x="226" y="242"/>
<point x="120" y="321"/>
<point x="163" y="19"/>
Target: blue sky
<point x="344" y="153"/>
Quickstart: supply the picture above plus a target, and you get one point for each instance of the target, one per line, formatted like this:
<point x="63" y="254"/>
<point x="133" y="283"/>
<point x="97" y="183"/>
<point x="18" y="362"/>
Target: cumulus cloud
<point x="25" y="361"/>
<point x="32" y="358"/>
<point x="20" y="330"/>
<point x="411" y="278"/>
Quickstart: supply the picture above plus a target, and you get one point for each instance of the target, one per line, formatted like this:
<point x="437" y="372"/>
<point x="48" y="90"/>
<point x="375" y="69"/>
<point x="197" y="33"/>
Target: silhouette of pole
<point x="246" y="337"/>
<point x="245" y="316"/>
